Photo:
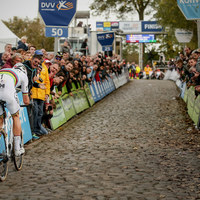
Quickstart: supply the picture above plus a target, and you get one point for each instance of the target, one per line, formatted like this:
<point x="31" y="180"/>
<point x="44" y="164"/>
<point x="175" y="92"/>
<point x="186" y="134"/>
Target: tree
<point x="121" y="7"/>
<point x="33" y="29"/>
<point x="130" y="52"/>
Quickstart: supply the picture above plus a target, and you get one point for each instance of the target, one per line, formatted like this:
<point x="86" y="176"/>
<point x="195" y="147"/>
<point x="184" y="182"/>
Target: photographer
<point x="39" y="96"/>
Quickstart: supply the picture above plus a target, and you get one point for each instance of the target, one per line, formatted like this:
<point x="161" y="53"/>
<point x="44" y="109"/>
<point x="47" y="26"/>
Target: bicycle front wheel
<point x="18" y="160"/>
<point x="3" y="156"/>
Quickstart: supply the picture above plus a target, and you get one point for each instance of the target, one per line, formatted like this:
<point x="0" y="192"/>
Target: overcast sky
<point x="29" y="8"/>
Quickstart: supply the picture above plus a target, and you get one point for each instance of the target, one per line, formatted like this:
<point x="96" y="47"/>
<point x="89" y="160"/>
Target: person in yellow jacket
<point x="147" y="69"/>
<point x="39" y="96"/>
<point x="137" y="70"/>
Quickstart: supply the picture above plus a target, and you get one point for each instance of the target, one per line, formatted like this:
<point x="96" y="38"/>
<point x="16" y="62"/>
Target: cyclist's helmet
<point x="20" y="67"/>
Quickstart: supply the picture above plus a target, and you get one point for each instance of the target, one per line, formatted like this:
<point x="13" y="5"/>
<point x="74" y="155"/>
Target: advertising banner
<point x="99" y="26"/>
<point x="114" y="25"/>
<point x="196" y="112"/>
<point x="58" y="118"/>
<point x="191" y="9"/>
<point x="107" y="24"/>
<point x="68" y="106"/>
<point x="106" y="39"/>
<point x="191" y="101"/>
<point x="84" y="102"/>
<point x="56" y="12"/>
<point x="183" y="36"/>
<point x="130" y="27"/>
<point x="89" y="96"/>
<point x="77" y="101"/>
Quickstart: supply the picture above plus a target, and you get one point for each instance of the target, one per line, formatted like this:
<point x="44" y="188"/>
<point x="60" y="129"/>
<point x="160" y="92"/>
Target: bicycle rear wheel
<point x="3" y="156"/>
<point x="18" y="160"/>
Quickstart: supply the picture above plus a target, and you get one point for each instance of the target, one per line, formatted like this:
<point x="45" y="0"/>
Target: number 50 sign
<point x="56" y="32"/>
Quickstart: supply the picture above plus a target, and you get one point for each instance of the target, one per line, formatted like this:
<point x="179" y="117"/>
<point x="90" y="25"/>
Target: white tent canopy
<point x="7" y="37"/>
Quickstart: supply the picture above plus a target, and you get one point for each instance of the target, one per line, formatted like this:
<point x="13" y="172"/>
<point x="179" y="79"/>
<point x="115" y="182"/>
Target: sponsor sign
<point x="57" y="12"/>
<point x="107" y="24"/>
<point x="183" y="36"/>
<point x="99" y="29"/>
<point x="130" y="27"/>
<point x="190" y="8"/>
<point x="149" y="26"/>
<point x="99" y="24"/>
<point x="105" y="39"/>
<point x="114" y="25"/>
<point x="107" y="28"/>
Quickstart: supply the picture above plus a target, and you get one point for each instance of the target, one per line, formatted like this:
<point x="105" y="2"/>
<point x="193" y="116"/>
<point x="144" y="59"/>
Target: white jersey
<point x="19" y="79"/>
<point x="9" y="80"/>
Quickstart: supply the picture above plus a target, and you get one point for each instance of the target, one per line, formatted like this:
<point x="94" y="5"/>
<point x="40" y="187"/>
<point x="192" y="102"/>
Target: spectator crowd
<point x="187" y="64"/>
<point x="48" y="74"/>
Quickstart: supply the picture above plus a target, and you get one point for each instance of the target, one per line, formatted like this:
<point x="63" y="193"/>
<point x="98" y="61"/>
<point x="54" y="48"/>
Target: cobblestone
<point x="132" y="145"/>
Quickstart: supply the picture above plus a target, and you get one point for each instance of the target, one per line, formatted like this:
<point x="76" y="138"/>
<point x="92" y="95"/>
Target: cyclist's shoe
<point x="20" y="152"/>
<point x="35" y="137"/>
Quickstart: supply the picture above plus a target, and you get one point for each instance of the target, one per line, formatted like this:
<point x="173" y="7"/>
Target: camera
<point x="40" y="79"/>
<point x="50" y="108"/>
<point x="40" y="66"/>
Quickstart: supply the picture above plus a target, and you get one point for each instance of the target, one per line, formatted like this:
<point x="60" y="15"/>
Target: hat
<point x="197" y="51"/>
<point x="59" y="54"/>
<point x="47" y="61"/>
<point x="39" y="52"/>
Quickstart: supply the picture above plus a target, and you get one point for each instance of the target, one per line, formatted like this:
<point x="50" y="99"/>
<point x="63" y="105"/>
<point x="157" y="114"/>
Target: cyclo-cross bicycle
<point x="7" y="148"/>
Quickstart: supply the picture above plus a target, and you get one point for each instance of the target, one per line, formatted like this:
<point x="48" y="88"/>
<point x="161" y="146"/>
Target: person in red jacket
<point x="16" y="58"/>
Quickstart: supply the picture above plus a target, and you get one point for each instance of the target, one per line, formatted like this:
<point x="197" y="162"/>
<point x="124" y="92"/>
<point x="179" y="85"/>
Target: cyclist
<point x="9" y="80"/>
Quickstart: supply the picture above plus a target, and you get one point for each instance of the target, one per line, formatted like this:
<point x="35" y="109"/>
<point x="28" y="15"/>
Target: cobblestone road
<point x="134" y="144"/>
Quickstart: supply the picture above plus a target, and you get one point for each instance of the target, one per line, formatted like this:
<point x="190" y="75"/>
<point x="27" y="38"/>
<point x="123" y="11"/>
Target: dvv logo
<point x="62" y="5"/>
<point x="108" y="36"/>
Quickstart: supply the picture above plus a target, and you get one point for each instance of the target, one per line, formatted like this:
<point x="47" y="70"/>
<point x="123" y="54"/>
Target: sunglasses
<point x="57" y="58"/>
<point x="36" y="62"/>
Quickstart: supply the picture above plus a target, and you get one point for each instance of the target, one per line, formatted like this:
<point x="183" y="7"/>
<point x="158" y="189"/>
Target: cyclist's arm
<point x="24" y="88"/>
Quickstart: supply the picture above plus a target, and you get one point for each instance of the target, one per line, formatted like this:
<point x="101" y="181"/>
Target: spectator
<point x="32" y="49"/>
<point x="14" y="50"/>
<point x="198" y="60"/>
<point x="27" y="55"/>
<point x="137" y="70"/>
<point x="16" y="58"/>
<point x="147" y="70"/>
<point x="84" y="46"/>
<point x="8" y="48"/>
<point x="65" y="48"/>
<point x="39" y="97"/>
<point x="66" y="56"/>
<point x="31" y="67"/>
<point x="51" y="56"/>
<point x="132" y="67"/>
<point x="22" y="44"/>
<point x="5" y="56"/>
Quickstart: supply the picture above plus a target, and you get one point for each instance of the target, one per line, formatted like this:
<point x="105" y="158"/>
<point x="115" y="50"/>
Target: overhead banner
<point x="190" y="8"/>
<point x="105" y="39"/>
<point x="151" y="26"/>
<point x="130" y="27"/>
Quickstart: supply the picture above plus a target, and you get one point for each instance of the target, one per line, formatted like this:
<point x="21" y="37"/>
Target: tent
<point x="7" y="37"/>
